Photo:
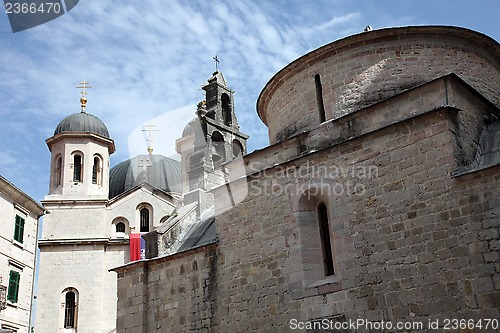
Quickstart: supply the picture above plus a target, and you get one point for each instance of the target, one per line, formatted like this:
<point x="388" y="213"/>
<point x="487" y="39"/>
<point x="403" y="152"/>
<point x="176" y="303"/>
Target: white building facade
<point x="19" y="216"/>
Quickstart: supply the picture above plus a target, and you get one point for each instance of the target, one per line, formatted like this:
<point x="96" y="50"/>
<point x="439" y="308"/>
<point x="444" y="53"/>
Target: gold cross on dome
<point x="149" y="128"/>
<point x="83" y="100"/>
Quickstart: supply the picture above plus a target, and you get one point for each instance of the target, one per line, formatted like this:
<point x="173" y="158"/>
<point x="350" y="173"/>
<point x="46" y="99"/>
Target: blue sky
<point x="146" y="61"/>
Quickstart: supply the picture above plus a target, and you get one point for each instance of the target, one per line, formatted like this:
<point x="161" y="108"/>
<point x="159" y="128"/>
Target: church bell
<point x="215" y="154"/>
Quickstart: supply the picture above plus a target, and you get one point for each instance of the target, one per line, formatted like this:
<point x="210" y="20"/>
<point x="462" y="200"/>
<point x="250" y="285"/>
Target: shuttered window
<point x="13" y="291"/>
<point x="19" y="229"/>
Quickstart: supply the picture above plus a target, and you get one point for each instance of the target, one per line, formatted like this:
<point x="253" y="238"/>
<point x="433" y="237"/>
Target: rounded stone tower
<point x="358" y="71"/>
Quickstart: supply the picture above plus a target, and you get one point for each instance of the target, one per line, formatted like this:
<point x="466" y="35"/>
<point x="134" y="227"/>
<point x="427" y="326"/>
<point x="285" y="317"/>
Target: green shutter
<point x="13" y="286"/>
<point x="19" y="229"/>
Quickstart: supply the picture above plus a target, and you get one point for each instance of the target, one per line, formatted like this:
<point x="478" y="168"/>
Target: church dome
<point x="82" y="122"/>
<point x="157" y="170"/>
<point x="188" y="130"/>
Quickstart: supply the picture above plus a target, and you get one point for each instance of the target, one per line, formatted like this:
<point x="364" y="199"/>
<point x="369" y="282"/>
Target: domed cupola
<point x="82" y="122"/>
<point x="162" y="172"/>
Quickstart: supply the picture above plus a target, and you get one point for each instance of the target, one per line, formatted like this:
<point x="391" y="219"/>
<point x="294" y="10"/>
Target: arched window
<point x="226" y="109"/>
<point x="144" y="219"/>
<point x="97" y="171"/>
<point x="120" y="227"/>
<point x="58" y="171"/>
<point x="237" y="149"/>
<point x="317" y="242"/>
<point x="326" y="245"/>
<point x="218" y="151"/>
<point x="77" y="168"/>
<point x="70" y="310"/>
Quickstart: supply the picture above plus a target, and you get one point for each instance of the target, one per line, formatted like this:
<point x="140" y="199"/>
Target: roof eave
<point x="58" y="137"/>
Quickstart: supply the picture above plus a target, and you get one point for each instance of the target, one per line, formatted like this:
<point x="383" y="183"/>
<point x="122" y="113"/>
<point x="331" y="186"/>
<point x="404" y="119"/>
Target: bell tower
<point x="80" y="150"/>
<point x="212" y="139"/>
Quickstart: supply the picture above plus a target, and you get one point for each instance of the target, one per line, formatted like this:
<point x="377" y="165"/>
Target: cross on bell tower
<point x="216" y="61"/>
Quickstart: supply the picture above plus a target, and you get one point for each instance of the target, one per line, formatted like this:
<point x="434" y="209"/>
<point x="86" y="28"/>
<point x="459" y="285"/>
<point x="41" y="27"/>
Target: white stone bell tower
<point x="80" y="149"/>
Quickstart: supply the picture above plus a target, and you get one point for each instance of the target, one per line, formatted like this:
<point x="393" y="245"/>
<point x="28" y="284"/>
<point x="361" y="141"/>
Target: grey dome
<point x="82" y="122"/>
<point x="188" y="130"/>
<point x="162" y="172"/>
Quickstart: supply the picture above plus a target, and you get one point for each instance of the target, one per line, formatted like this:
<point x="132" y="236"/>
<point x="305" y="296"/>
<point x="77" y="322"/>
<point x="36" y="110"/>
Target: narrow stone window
<point x="77" y="168"/>
<point x="326" y="246"/>
<point x="226" y="109"/>
<point x="237" y="149"/>
<point x="144" y="218"/>
<point x="96" y="171"/>
<point x="58" y="171"/>
<point x="218" y="151"/>
<point x="319" y="98"/>
<point x="69" y="310"/>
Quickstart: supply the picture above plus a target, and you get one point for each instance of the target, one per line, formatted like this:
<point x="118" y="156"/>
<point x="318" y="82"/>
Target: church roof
<point x="82" y="122"/>
<point x="157" y="170"/>
<point x="202" y="234"/>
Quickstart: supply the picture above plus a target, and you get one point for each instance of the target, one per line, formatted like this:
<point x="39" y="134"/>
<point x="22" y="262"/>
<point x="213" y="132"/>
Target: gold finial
<point x="149" y="128"/>
<point x="83" y="100"/>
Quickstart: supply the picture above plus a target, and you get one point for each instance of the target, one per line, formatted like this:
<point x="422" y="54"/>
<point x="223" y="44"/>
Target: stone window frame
<point x="97" y="168"/>
<point x="140" y="208"/>
<point x="237" y="148"/>
<point x="75" y="179"/>
<point x="58" y="170"/>
<point x="64" y="309"/>
<point x="126" y="223"/>
<point x="310" y="278"/>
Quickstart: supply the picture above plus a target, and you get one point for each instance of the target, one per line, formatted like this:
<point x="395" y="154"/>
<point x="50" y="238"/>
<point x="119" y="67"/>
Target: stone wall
<point x="173" y="294"/>
<point x="410" y="242"/>
<point x="415" y="245"/>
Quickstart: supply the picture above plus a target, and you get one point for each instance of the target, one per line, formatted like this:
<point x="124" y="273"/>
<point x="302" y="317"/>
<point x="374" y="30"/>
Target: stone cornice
<point x="20" y="198"/>
<point x="440" y="94"/>
<point x="109" y="142"/>
<point x="83" y="241"/>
